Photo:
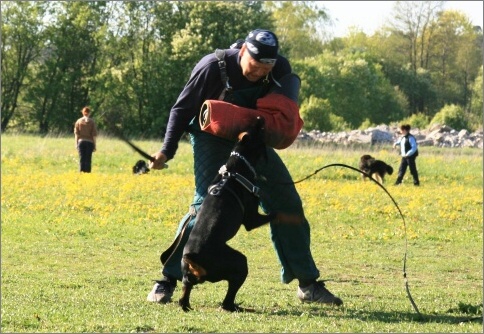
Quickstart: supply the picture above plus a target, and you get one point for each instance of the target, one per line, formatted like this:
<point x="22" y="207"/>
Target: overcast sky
<point x="371" y="15"/>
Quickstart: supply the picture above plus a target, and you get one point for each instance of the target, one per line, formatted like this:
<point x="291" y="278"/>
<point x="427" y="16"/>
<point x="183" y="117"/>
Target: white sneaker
<point x="161" y="293"/>
<point x="317" y="293"/>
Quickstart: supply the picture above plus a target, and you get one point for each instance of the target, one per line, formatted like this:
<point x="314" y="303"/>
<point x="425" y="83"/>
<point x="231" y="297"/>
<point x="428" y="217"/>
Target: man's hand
<point x="160" y="161"/>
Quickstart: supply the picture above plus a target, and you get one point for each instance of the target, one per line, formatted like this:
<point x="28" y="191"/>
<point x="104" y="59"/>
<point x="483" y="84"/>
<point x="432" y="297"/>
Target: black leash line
<point x="407" y="289"/>
<point x="118" y="133"/>
<point x="137" y="149"/>
<point x="140" y="151"/>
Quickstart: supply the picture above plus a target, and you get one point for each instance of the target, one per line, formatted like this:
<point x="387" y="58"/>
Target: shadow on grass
<point x="381" y="316"/>
<point x="392" y="317"/>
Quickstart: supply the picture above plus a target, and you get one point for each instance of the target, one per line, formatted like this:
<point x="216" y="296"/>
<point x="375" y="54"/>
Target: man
<point x="409" y="152"/>
<point x="85" y="134"/>
<point x="251" y="73"/>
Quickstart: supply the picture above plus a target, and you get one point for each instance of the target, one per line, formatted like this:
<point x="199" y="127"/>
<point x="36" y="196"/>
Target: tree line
<point x="129" y="61"/>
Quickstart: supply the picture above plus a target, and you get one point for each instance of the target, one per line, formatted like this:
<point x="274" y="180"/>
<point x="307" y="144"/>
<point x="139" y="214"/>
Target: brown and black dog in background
<point x="377" y="169"/>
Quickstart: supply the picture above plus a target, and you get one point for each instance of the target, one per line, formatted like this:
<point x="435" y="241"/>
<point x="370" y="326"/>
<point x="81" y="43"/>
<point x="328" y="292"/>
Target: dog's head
<point x="366" y="157"/>
<point x="365" y="161"/>
<point x="251" y="143"/>
<point x="140" y="167"/>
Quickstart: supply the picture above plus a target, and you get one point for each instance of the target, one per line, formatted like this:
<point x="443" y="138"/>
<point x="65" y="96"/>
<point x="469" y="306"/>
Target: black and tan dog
<point x="232" y="201"/>
<point x="141" y="167"/>
<point x="377" y="169"/>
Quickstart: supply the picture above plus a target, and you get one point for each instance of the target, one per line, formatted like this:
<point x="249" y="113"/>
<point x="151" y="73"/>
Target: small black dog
<point x="232" y="201"/>
<point x="375" y="168"/>
<point x="140" y="167"/>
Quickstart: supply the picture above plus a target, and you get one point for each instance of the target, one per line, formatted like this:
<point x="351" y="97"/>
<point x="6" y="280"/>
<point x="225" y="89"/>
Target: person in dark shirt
<point x="252" y="71"/>
<point x="409" y="152"/>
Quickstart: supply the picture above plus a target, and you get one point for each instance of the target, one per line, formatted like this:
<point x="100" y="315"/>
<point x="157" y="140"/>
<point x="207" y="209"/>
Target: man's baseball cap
<point x="262" y="46"/>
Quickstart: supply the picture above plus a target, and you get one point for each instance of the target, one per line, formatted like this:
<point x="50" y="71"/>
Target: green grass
<point x="80" y="251"/>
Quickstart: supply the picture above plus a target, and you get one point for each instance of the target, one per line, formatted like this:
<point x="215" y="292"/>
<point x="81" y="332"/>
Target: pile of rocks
<point x="437" y="135"/>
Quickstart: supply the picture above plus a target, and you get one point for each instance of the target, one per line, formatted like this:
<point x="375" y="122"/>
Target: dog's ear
<point x="242" y="134"/>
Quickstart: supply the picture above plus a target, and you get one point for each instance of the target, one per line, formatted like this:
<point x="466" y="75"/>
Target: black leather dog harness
<point x="216" y="189"/>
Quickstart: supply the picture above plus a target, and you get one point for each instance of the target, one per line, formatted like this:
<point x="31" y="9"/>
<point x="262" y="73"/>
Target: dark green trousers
<point x="291" y="241"/>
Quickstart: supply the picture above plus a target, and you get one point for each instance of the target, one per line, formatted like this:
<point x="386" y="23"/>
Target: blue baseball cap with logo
<point x="263" y="46"/>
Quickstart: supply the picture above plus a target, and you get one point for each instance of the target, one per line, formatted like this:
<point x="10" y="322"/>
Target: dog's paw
<point x="236" y="308"/>
<point x="185" y="306"/>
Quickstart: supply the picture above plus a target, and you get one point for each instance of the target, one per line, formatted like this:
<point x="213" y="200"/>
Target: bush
<point x="338" y="123"/>
<point x="452" y="116"/>
<point x="366" y="124"/>
<point x="315" y="114"/>
<point x="417" y="121"/>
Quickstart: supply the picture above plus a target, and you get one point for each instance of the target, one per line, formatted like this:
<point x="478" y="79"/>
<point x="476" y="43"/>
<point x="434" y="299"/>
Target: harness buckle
<point x="256" y="191"/>
<point x="214" y="190"/>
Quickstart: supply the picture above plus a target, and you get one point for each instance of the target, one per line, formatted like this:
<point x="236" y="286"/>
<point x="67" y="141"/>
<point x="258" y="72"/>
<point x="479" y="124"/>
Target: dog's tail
<point x="389" y="170"/>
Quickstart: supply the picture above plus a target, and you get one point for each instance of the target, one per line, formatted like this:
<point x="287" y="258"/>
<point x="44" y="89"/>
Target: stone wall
<point x="437" y="135"/>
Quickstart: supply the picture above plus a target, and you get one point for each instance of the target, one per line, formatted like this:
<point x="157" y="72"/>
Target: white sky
<point x="369" y="16"/>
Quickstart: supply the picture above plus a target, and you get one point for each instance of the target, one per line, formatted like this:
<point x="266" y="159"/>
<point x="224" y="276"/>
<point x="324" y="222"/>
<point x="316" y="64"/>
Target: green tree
<point x="201" y="27"/>
<point x="210" y="25"/>
<point x="22" y="37"/>
<point x="456" y="57"/>
<point x="354" y="85"/>
<point x="413" y="28"/>
<point x="413" y="21"/>
<point x="68" y="62"/>
<point x="138" y="75"/>
<point x="299" y="26"/>
<point x="129" y="60"/>
<point x="476" y="106"/>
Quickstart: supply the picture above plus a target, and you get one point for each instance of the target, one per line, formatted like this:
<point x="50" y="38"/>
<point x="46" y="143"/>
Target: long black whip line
<point x="119" y="133"/>
<point x="399" y="211"/>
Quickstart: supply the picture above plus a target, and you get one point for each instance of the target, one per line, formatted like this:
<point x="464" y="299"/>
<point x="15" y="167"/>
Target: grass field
<point x="79" y="251"/>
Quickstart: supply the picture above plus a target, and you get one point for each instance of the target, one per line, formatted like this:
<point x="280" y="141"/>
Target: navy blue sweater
<point x="205" y="83"/>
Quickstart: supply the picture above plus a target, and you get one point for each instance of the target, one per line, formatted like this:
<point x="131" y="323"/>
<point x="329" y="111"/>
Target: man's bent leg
<point x="163" y="289"/>
<point x="291" y="239"/>
<point x="402" y="169"/>
<point x="413" y="170"/>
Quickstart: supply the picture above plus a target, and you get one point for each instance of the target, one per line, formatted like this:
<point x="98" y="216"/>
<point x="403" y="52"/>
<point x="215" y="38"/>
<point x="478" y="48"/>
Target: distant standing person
<point x="85" y="133"/>
<point x="409" y="152"/>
